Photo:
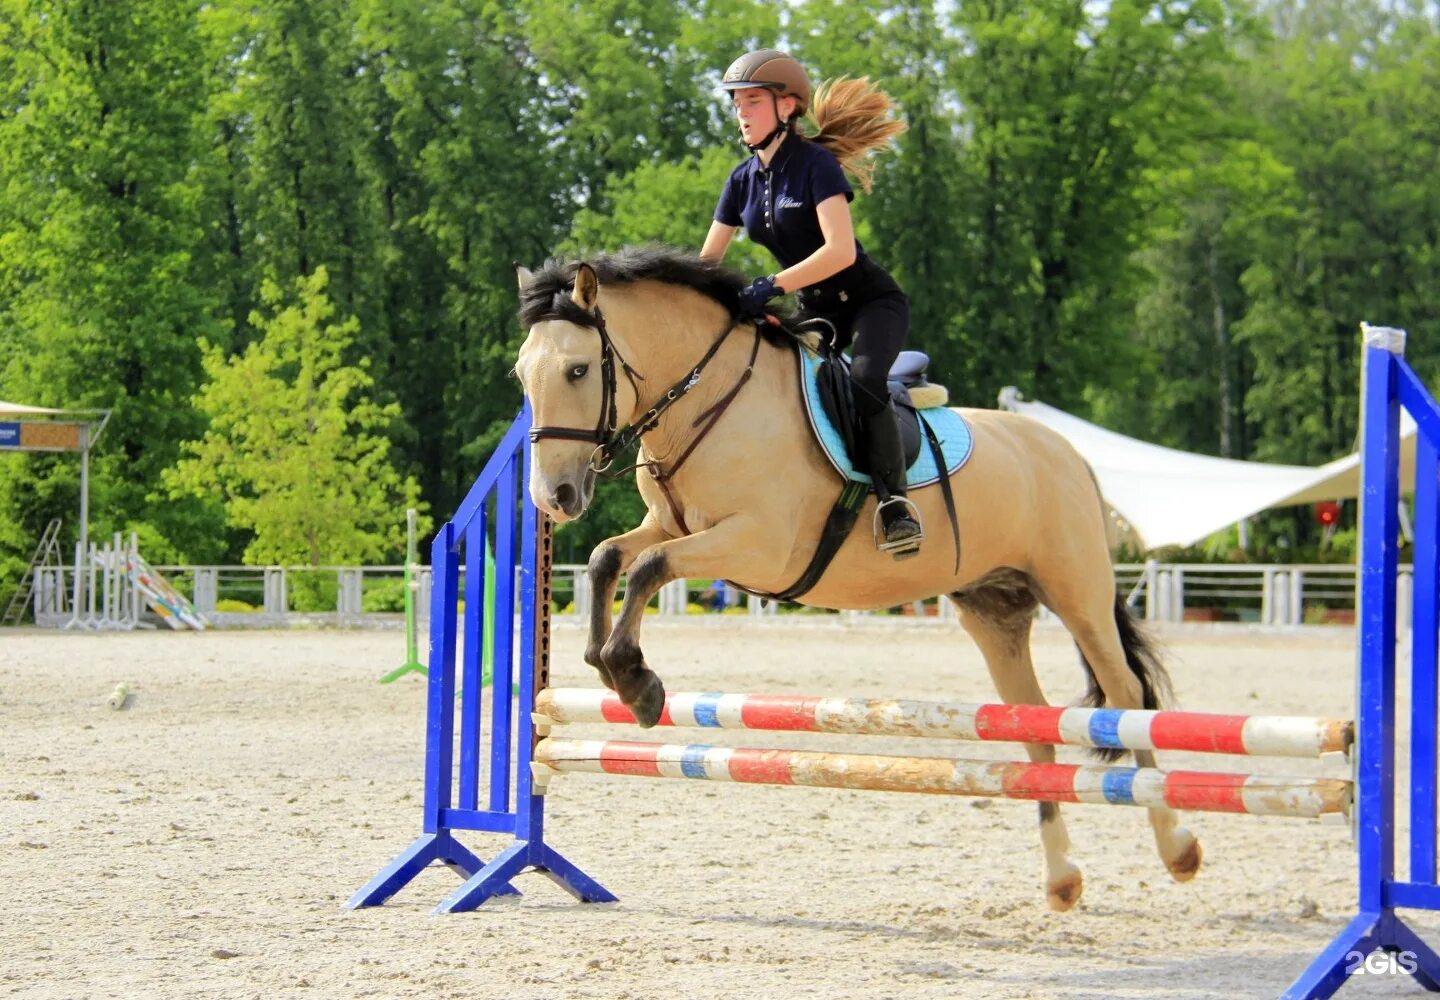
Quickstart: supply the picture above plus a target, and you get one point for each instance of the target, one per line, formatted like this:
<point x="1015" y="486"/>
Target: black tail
<point x="1144" y="662"/>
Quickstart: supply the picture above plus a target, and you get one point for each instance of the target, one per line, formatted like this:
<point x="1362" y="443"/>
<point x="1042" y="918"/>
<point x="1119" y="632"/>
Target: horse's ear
<point x="522" y="275"/>
<point x="587" y="288"/>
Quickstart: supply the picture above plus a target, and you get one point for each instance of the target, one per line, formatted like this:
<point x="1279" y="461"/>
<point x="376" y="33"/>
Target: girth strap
<point x="842" y="519"/>
<point x="832" y="536"/>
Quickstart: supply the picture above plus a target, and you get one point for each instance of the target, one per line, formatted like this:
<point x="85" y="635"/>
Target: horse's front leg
<point x="735" y="543"/>
<point x="611" y="558"/>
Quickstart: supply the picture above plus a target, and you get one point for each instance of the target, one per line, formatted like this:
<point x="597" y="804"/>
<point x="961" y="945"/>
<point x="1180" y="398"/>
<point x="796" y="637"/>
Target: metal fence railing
<point x="267" y="596"/>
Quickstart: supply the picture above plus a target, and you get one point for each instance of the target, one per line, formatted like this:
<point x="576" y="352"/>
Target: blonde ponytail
<point x="852" y="118"/>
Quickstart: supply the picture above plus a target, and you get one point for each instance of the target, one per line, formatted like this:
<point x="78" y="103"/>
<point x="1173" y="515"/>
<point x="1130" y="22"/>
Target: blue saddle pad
<point x="956" y="441"/>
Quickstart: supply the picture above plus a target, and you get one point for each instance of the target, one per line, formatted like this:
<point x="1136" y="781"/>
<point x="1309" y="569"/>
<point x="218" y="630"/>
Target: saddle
<point x="833" y="388"/>
<point x="906" y="375"/>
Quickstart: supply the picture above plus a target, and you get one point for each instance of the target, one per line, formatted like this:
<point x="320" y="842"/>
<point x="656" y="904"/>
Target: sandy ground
<point x="200" y="842"/>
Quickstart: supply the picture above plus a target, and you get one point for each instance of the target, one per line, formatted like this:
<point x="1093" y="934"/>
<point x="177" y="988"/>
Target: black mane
<point x="547" y="295"/>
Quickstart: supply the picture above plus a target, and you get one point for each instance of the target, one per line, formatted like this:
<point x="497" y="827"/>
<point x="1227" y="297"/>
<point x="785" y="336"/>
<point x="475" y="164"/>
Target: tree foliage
<point x="296" y="448"/>
<point x="1169" y="217"/>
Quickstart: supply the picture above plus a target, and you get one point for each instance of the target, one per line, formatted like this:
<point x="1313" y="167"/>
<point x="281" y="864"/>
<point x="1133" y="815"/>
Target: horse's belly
<point x="999" y="523"/>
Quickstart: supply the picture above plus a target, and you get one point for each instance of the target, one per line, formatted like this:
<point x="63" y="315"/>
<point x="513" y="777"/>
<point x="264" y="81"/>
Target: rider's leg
<point x="880" y="329"/>
<point x="886" y="465"/>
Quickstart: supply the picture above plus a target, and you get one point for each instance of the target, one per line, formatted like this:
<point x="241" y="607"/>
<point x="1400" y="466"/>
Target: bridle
<point x="611" y="440"/>
<point x="604" y="432"/>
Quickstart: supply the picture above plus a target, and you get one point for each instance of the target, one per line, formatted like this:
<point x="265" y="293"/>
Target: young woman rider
<point x="793" y="198"/>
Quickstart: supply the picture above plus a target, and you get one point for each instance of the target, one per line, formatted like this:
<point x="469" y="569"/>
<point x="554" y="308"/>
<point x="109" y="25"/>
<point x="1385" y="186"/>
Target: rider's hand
<point x="754" y="296"/>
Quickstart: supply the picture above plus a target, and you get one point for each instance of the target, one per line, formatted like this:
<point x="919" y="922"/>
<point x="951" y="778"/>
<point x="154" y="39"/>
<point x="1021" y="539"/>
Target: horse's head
<point x="568" y="369"/>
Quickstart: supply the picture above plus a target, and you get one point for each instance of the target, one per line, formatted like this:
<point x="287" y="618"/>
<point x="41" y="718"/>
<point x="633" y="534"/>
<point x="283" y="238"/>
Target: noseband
<point x="610" y="439"/>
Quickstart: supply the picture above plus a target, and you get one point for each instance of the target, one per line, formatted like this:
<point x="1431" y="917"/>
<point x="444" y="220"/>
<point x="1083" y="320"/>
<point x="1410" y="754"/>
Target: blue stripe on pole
<point x="692" y="761"/>
<point x="1119" y="785"/>
<point x="707" y="709"/>
<point x="1105" y="728"/>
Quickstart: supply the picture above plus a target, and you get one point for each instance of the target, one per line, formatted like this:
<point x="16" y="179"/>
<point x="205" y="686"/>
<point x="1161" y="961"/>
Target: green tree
<point x="1069" y="109"/>
<point x="1195" y="369"/>
<point x="1351" y="102"/>
<point x="467" y="181"/>
<point x="631" y="81"/>
<point x="290" y="120"/>
<point x="670" y="203"/>
<point x="297" y="448"/>
<point x="102" y="298"/>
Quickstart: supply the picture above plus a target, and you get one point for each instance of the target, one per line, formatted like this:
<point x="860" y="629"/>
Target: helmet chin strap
<point x="781" y="127"/>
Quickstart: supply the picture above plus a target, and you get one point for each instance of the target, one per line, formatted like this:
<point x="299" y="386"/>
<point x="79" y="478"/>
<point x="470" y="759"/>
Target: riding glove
<point x="754" y="296"/>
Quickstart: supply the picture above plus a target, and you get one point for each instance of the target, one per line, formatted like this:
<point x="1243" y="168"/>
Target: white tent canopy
<point x="1169" y="497"/>
<point x="20" y="410"/>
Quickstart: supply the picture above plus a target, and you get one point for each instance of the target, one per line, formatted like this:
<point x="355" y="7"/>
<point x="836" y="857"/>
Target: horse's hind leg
<point x="1129" y="675"/>
<point x="998" y="618"/>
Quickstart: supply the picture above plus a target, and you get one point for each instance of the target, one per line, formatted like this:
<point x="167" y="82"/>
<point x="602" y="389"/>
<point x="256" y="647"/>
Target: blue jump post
<point x="523" y="542"/>
<point x="1389" y="383"/>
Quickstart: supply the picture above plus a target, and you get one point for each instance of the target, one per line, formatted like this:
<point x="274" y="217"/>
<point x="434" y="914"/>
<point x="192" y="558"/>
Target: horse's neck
<point x="663" y="333"/>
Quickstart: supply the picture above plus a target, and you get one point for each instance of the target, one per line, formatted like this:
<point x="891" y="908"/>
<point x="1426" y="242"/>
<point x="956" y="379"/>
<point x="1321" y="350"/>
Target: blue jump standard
<point x="515" y="523"/>
<point x="1389" y="384"/>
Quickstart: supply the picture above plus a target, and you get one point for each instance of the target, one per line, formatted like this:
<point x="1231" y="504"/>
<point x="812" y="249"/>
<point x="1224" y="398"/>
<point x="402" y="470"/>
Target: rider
<point x="793" y="198"/>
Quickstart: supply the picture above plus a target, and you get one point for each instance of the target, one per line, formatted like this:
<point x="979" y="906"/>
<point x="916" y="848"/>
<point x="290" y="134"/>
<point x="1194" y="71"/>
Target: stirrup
<point x="902" y="548"/>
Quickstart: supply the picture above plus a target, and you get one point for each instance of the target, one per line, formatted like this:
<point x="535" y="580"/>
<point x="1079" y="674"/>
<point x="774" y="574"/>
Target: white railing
<point x="1163" y="592"/>
<point x="262" y="596"/>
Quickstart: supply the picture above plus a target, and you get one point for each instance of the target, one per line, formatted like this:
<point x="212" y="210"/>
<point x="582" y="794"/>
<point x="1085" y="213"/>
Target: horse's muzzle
<point x="565" y="499"/>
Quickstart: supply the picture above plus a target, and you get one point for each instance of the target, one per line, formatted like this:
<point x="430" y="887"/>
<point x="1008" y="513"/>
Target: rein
<point x="611" y="440"/>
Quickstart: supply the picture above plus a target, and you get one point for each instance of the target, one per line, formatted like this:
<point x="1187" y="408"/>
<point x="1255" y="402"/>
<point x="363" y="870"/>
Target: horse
<point x="646" y="344"/>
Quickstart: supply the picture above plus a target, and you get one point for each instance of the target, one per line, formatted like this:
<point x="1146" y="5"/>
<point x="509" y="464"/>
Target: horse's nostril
<point x="565" y="497"/>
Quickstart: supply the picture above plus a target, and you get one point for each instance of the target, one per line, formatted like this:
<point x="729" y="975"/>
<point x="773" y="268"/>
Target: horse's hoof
<point x="649" y="702"/>
<point x="1064" y="892"/>
<point x="1187" y="861"/>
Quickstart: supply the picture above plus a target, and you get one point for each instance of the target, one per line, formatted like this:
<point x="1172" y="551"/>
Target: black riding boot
<point x="898" y="530"/>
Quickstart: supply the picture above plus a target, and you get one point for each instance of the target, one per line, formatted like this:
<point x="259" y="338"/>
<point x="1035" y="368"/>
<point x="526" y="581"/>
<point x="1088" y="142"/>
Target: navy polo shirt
<point x="777" y="205"/>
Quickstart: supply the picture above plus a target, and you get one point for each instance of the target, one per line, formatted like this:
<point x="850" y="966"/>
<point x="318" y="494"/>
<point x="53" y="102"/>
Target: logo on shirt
<point x="785" y="201"/>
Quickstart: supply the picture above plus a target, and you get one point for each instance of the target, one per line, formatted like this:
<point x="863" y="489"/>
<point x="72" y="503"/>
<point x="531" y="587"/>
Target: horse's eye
<point x="577" y="373"/>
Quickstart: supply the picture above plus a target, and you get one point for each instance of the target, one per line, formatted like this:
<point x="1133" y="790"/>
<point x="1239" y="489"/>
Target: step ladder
<point x="47" y="553"/>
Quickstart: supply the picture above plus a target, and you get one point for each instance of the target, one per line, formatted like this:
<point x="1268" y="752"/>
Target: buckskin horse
<point x="645" y="345"/>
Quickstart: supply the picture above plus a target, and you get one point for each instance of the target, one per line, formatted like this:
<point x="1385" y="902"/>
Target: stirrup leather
<point x="905" y="546"/>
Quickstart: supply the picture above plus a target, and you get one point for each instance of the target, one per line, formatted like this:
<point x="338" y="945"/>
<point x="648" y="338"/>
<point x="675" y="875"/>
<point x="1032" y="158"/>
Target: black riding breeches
<point x="871" y="316"/>
<point x="880" y="328"/>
